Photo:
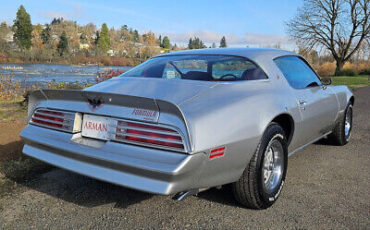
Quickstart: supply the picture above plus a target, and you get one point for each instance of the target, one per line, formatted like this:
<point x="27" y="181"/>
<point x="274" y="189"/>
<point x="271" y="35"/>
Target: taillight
<point x="61" y="120"/>
<point x="146" y="134"/>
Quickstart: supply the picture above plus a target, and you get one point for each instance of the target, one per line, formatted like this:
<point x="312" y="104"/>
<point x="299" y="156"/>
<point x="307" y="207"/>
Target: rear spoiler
<point x="109" y="104"/>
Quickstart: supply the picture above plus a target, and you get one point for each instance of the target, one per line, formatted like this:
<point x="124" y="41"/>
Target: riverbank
<point x="81" y="60"/>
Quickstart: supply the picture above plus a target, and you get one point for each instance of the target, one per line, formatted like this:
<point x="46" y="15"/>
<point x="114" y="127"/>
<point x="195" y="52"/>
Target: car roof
<point x="251" y="53"/>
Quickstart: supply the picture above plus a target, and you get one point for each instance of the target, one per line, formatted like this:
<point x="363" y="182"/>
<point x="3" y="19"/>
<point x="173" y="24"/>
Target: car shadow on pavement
<point x="222" y="196"/>
<point x="77" y="189"/>
<point x="88" y="192"/>
<point x="325" y="141"/>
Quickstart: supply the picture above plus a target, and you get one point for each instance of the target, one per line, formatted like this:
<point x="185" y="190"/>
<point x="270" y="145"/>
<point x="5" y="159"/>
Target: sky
<point x="242" y="22"/>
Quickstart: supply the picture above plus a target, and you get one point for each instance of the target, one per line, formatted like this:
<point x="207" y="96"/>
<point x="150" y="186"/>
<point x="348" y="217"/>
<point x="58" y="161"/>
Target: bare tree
<point x="337" y="25"/>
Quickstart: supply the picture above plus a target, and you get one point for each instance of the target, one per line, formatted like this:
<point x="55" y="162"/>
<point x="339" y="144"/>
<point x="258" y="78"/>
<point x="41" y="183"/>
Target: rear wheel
<point x="262" y="180"/>
<point x="342" y="131"/>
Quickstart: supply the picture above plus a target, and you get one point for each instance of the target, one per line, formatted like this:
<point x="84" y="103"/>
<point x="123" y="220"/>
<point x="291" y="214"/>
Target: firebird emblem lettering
<point x="96" y="126"/>
<point x="95" y="103"/>
<point x="145" y="114"/>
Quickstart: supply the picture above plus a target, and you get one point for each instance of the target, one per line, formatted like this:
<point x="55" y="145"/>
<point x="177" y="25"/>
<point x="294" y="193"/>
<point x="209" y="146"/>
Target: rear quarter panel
<point x="234" y="115"/>
<point x="343" y="93"/>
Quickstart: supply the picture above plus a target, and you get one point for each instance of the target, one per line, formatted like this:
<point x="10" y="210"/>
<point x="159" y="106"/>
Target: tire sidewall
<point x="347" y="138"/>
<point x="274" y="131"/>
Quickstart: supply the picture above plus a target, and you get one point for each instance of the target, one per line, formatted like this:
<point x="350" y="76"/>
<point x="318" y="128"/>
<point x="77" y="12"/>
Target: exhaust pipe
<point x="182" y="195"/>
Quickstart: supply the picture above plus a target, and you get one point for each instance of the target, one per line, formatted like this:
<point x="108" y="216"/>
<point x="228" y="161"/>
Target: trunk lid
<point x="175" y="91"/>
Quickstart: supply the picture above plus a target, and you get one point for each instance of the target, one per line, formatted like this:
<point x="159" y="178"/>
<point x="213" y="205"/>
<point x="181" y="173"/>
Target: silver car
<point x="185" y="121"/>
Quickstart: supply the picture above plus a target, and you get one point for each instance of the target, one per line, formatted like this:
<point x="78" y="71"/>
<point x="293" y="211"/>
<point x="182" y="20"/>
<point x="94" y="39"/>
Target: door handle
<point x="302" y="102"/>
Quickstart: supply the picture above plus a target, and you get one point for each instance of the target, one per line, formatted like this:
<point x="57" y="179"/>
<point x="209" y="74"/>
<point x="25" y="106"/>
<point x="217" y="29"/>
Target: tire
<point x="251" y="189"/>
<point x="340" y="135"/>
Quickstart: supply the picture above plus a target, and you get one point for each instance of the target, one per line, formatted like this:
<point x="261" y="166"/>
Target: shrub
<point x="103" y="76"/>
<point x="106" y="61"/>
<point x="121" y="61"/>
<point x="326" y="69"/>
<point x="65" y="85"/>
<point x="364" y="71"/>
<point x="3" y="58"/>
<point x="364" y="68"/>
<point x="10" y="89"/>
<point x="347" y="72"/>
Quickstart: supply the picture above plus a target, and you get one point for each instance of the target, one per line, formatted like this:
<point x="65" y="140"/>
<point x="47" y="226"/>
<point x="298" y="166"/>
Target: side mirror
<point x="326" y="81"/>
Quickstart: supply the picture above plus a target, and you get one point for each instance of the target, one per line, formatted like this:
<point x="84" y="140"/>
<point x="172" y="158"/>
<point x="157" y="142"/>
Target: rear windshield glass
<point x="198" y="67"/>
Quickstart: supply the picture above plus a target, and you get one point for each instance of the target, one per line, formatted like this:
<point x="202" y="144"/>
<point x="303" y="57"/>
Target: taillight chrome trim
<point x="52" y="115"/>
<point x="71" y="120"/>
<point x="171" y="131"/>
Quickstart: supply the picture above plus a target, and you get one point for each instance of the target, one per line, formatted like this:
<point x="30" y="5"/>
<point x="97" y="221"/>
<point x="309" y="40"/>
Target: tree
<point x="23" y="29"/>
<point x="223" y="42"/>
<point x="213" y="45"/>
<point x="103" y="40"/>
<point x="57" y="21"/>
<point x="166" y="43"/>
<point x="36" y="37"/>
<point x="45" y="34"/>
<point x="4" y="30"/>
<point x="160" y="41"/>
<point x="196" y="43"/>
<point x="136" y="36"/>
<point x="97" y="37"/>
<point x="340" y="26"/>
<point x="63" y="44"/>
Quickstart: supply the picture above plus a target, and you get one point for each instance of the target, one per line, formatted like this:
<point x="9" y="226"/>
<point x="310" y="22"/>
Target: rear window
<point x="198" y="67"/>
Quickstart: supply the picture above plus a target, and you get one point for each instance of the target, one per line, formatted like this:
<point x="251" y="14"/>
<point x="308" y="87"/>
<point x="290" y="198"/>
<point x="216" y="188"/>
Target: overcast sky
<point x="243" y="22"/>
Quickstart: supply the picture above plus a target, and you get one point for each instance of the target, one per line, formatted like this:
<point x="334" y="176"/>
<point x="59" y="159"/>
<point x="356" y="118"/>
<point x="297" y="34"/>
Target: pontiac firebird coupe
<point x="184" y="121"/>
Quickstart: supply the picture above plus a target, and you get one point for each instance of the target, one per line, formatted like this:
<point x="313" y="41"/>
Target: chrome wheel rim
<point x="348" y="122"/>
<point x="273" y="166"/>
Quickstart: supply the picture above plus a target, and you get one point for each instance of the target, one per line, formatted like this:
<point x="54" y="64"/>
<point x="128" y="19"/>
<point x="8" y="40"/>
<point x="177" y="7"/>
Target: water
<point x="42" y="73"/>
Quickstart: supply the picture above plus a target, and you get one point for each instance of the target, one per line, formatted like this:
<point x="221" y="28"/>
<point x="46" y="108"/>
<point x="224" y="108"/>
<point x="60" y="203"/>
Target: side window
<point x="297" y="72"/>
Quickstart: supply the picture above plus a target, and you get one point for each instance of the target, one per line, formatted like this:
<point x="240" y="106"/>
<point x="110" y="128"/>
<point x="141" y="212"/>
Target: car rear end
<point x="136" y="142"/>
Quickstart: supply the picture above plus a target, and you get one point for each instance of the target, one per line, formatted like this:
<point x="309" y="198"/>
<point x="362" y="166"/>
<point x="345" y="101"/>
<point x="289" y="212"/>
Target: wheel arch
<point x="352" y="100"/>
<point x="287" y="123"/>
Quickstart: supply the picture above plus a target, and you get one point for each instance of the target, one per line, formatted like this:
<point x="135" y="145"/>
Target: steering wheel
<point x="228" y="75"/>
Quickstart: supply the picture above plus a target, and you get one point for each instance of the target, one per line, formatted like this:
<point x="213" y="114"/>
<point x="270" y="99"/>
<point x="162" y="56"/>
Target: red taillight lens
<point x="67" y="121"/>
<point x="149" y="134"/>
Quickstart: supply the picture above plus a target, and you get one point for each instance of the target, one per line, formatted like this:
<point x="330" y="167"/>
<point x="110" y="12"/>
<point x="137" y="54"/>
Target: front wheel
<point x="263" y="178"/>
<point x="342" y="131"/>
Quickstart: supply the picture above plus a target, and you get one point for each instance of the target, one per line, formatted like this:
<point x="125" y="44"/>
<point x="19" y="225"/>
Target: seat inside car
<point x="253" y="74"/>
<point x="197" y="75"/>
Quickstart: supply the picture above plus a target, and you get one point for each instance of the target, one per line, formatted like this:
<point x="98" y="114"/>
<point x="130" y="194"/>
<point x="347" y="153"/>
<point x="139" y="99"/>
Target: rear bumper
<point x="145" y="169"/>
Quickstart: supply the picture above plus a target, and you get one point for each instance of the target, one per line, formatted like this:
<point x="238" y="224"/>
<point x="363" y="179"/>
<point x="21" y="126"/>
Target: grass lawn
<point x="352" y="81"/>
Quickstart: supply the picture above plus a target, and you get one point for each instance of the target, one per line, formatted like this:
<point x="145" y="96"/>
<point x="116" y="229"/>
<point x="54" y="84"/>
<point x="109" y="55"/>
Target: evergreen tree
<point x="103" y="40"/>
<point x="57" y="21"/>
<point x="63" y="44"/>
<point x="136" y="36"/>
<point x="223" y="42"/>
<point x="160" y="41"/>
<point x="190" y="44"/>
<point x="23" y="29"/>
<point x="213" y="45"/>
<point x="97" y="36"/>
<point x="45" y="34"/>
<point x="166" y="42"/>
<point x="196" y="43"/>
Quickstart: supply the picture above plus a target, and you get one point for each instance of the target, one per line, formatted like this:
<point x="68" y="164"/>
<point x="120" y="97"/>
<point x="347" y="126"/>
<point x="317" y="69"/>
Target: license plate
<point x="96" y="127"/>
